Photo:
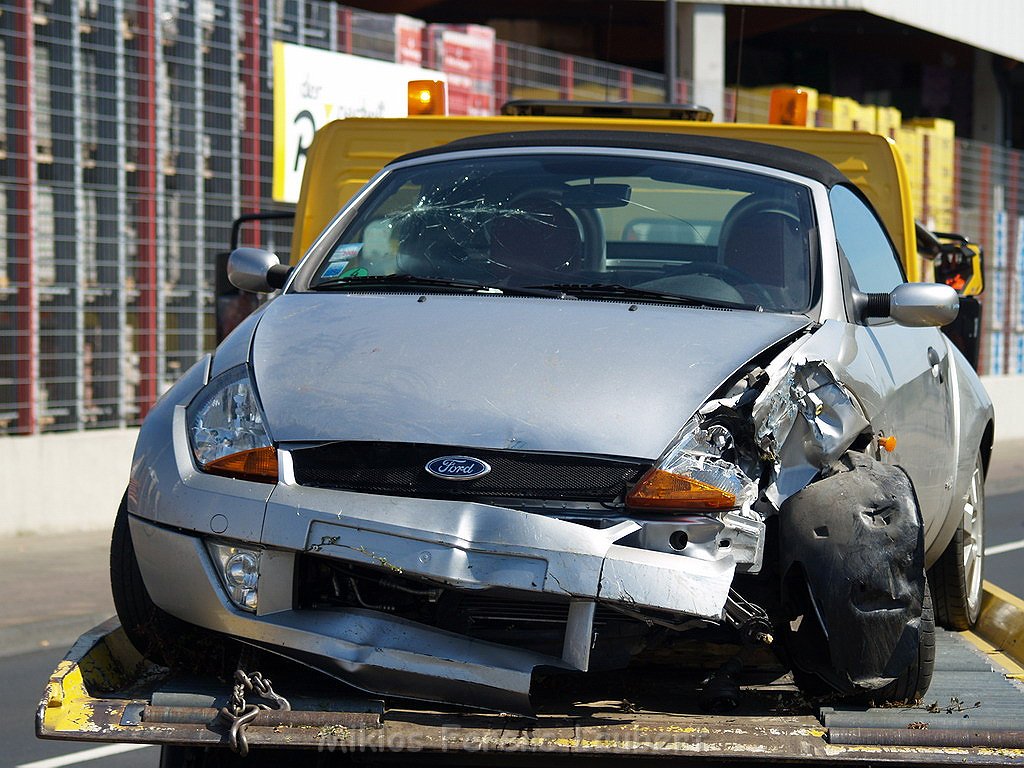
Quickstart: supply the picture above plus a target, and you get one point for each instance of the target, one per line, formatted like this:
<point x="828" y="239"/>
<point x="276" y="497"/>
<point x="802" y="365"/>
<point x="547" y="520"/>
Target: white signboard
<point x="313" y="87"/>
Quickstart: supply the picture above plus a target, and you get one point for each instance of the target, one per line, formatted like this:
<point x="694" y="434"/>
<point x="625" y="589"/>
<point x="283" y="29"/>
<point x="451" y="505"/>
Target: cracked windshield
<point x="583" y="226"/>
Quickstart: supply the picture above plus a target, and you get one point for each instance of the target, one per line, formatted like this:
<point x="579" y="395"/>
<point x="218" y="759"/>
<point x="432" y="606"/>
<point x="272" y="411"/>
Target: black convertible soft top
<point x="769" y="155"/>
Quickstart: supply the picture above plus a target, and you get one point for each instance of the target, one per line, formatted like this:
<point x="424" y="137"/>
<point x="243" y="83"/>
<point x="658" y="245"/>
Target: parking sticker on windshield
<point x="334" y="269"/>
<point x="340" y="260"/>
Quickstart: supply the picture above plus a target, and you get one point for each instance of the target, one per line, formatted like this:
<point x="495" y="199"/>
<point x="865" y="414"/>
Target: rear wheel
<point x="956" y="577"/>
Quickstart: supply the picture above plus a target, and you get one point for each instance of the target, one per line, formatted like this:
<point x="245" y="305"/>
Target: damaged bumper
<point x="467" y="547"/>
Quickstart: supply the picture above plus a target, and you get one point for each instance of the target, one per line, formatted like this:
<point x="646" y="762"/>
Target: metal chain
<point x="238" y="713"/>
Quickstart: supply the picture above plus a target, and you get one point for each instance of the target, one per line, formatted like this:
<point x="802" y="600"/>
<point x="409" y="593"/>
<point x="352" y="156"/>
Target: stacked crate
<point x="938" y="157"/>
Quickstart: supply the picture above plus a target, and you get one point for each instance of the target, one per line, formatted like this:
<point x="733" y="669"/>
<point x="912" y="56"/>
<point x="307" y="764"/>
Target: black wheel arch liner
<point x="851" y="563"/>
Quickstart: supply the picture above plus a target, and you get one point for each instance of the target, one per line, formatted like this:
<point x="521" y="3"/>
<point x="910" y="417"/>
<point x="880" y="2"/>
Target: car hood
<point x="574" y="376"/>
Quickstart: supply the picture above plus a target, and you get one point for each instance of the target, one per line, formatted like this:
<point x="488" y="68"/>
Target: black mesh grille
<point x="397" y="469"/>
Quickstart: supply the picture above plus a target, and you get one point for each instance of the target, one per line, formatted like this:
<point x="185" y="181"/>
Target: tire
<point x="910" y="686"/>
<point x="156" y="634"/>
<point x="956" y="577"/>
<point x="914" y="682"/>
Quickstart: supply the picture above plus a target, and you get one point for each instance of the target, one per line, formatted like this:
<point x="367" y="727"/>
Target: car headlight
<point x="694" y="475"/>
<point x="227" y="431"/>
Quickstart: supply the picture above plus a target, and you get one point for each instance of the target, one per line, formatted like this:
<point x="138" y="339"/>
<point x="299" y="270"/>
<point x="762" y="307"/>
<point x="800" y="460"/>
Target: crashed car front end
<point x="416" y="597"/>
<point x="441" y="483"/>
<point x="461" y="601"/>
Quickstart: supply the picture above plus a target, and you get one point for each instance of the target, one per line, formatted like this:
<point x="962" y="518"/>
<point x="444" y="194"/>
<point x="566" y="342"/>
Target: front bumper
<point x="454" y="544"/>
<point x="460" y="545"/>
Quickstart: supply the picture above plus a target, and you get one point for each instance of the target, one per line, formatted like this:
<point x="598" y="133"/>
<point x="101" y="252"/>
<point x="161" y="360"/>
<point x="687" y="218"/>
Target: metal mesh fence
<point x="525" y="72"/>
<point x="133" y="132"/>
<point x="989" y="208"/>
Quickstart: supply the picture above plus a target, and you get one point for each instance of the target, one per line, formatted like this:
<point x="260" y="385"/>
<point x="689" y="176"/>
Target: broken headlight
<point x="695" y="474"/>
<point x="227" y="431"/>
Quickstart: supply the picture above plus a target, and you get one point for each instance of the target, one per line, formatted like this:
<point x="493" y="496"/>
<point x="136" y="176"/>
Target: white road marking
<point x="1010" y="546"/>
<point x="85" y="755"/>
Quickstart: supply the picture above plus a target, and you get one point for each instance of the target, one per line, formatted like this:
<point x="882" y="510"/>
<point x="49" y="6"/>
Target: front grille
<point x="397" y="469"/>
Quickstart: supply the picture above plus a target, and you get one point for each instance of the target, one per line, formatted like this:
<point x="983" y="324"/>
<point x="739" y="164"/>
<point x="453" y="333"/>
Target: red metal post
<point x="26" y="319"/>
<point x="985" y="236"/>
<point x="145" y="207"/>
<point x="500" y="73"/>
<point x="1012" y="180"/>
<point x="344" y="29"/>
<point x="566" y="66"/>
<point x="251" y="188"/>
<point x="1010" y="274"/>
<point x="984" y="195"/>
<point x="626" y="84"/>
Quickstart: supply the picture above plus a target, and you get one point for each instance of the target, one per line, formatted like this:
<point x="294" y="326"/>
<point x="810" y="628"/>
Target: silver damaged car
<point x="545" y="402"/>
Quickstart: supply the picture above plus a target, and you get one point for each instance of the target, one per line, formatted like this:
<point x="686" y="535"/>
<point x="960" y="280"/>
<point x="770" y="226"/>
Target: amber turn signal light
<point x="889" y="443"/>
<point x="426" y="97"/>
<point x="659" y="489"/>
<point x="257" y="464"/>
<point x="788" y="106"/>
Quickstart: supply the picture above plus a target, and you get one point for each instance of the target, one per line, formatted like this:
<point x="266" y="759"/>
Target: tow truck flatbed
<point x="104" y="691"/>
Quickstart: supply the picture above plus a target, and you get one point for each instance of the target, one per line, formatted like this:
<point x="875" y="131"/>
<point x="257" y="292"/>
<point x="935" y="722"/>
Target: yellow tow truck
<point x="105" y="691"/>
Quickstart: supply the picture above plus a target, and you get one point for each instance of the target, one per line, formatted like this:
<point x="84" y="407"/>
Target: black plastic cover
<point x="852" y="565"/>
<point x="769" y="155"/>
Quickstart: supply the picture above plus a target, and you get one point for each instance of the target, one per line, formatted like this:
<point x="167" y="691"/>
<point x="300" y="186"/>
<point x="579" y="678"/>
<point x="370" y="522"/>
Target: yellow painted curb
<point x="1001" y="622"/>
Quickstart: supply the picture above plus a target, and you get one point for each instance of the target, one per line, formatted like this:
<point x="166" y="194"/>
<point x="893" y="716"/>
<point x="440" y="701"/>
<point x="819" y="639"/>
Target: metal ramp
<point x="972" y="702"/>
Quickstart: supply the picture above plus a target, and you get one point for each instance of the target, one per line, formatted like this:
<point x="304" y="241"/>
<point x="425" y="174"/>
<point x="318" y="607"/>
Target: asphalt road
<point x="22" y="675"/>
<point x="1004" y="541"/>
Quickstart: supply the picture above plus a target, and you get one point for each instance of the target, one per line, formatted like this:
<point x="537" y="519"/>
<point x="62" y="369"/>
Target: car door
<point x="911" y="365"/>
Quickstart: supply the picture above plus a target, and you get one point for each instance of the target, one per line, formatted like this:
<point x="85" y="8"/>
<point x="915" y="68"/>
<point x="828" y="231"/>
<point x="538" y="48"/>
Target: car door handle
<point x="934" y="361"/>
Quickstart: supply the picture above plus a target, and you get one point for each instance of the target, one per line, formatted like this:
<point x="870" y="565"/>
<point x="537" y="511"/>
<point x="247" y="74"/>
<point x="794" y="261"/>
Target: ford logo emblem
<point x="457" y="467"/>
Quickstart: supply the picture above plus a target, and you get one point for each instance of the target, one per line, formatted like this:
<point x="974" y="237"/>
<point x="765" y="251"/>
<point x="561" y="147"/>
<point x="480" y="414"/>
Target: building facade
<point x="134" y="131"/>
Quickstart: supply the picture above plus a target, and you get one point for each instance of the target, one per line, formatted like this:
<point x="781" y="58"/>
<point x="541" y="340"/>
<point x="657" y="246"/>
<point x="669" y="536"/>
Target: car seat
<point x="770" y="247"/>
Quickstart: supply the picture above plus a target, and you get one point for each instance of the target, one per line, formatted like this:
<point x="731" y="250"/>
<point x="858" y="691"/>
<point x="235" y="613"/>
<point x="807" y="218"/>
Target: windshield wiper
<point x="617" y="291"/>
<point x="357" y="282"/>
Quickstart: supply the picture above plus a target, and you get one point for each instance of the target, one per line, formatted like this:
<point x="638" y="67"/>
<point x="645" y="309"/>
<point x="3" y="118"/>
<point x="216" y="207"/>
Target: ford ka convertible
<point x="547" y="402"/>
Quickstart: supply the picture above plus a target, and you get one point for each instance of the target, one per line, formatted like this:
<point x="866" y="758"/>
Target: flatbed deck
<point x="104" y="691"/>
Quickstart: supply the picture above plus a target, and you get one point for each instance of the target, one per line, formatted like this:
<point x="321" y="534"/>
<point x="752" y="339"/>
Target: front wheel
<point x="956" y="577"/>
<point x="913" y="683"/>
<point x="156" y="634"/>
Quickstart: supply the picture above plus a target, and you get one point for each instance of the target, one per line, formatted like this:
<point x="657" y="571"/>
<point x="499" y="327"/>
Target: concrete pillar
<point x="702" y="53"/>
<point x="988" y="108"/>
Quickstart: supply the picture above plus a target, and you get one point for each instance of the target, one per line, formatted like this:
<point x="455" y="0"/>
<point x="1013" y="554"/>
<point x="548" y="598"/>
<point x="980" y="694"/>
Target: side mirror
<point x="914" y="305"/>
<point x="252" y="269"/>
